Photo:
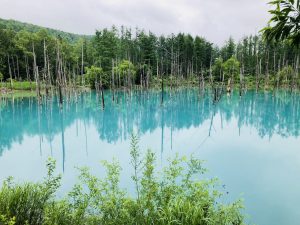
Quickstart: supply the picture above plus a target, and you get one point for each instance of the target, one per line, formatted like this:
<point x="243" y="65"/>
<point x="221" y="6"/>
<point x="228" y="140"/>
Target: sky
<point x="216" y="20"/>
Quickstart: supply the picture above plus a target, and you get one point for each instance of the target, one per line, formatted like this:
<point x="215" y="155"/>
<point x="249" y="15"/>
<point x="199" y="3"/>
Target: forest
<point x="124" y="57"/>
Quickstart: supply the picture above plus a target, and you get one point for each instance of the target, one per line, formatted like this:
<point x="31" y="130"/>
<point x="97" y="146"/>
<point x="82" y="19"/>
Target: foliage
<point x="218" y="69"/>
<point x="228" y="69"/>
<point x="19" y="26"/>
<point x="126" y="70"/>
<point x="285" y="20"/>
<point x="137" y="57"/>
<point x="27" y="202"/>
<point x="228" y="50"/>
<point x="285" y="75"/>
<point x="5" y="221"/>
<point x="21" y="85"/>
<point x="203" y="52"/>
<point x="231" y="68"/>
<point x="95" y="76"/>
<point x="147" y="47"/>
<point x="174" y="196"/>
<point x="105" y="43"/>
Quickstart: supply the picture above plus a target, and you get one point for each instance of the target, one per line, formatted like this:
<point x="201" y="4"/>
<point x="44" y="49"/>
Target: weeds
<point x="174" y="196"/>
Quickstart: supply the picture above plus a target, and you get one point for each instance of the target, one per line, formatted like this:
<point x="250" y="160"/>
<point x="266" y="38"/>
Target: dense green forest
<point x="18" y="26"/>
<point x="125" y="57"/>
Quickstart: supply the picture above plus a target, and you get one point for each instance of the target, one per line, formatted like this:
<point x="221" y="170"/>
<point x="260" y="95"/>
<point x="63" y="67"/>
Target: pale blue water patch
<point x="250" y="143"/>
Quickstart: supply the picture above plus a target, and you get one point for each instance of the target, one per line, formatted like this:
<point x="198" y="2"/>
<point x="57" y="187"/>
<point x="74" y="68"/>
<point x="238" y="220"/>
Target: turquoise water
<point x="250" y="143"/>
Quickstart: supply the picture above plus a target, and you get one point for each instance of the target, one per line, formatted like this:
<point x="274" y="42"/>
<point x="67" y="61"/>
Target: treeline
<point x="18" y="26"/>
<point x="122" y="57"/>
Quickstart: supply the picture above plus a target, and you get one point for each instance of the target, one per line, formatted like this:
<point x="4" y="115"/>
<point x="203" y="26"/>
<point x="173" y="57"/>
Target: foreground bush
<point x="174" y="196"/>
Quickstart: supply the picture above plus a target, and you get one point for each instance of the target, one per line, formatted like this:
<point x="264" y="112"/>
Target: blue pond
<point x="251" y="143"/>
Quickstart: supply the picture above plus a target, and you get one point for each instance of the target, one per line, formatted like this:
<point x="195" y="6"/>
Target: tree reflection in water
<point x="269" y="115"/>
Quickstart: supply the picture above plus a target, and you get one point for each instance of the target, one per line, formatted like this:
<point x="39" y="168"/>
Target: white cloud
<point x="214" y="19"/>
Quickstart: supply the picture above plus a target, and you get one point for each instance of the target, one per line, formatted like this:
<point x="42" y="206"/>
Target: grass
<point x="19" y="85"/>
<point x="176" y="195"/>
<point x="19" y="94"/>
<point x="155" y="83"/>
<point x="19" y="89"/>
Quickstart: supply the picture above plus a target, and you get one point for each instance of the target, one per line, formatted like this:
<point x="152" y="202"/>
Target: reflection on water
<point x="249" y="142"/>
<point x="267" y="114"/>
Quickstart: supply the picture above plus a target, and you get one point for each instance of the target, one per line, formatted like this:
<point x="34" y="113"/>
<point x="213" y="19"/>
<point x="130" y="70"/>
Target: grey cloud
<point x="214" y="19"/>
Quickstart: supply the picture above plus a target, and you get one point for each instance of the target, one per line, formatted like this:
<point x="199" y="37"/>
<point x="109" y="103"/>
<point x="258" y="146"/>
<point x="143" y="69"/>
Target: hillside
<point x="17" y="26"/>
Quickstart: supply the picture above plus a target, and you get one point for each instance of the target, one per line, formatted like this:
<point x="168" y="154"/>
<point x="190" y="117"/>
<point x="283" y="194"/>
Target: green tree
<point x="218" y="69"/>
<point x="126" y="72"/>
<point x="7" y="48"/>
<point x="231" y="68"/>
<point x="203" y="51"/>
<point x="285" y="75"/>
<point x="95" y="76"/>
<point x="147" y="48"/>
<point x="106" y="42"/>
<point x="285" y="21"/>
<point x="228" y="50"/>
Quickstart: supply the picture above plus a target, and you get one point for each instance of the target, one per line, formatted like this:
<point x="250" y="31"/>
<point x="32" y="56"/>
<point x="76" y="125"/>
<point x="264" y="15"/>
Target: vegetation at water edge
<point x="177" y="195"/>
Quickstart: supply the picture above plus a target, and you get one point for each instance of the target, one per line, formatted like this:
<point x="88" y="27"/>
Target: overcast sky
<point x="215" y="20"/>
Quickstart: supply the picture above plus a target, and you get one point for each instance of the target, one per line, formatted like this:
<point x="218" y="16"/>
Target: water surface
<point x="251" y="143"/>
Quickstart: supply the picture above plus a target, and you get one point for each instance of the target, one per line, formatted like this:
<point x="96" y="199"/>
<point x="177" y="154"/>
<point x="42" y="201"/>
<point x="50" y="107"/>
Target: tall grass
<point x="26" y="203"/>
<point x="173" y="196"/>
<point x="19" y="85"/>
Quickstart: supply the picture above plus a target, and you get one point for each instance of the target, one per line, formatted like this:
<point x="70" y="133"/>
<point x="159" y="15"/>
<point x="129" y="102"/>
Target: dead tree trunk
<point x="18" y="69"/>
<point x="162" y="87"/>
<point x="102" y="94"/>
<point x="267" y="70"/>
<point x="10" y="74"/>
<point x="36" y="74"/>
<point x="45" y="69"/>
<point x="295" y="77"/>
<point x="59" y="75"/>
<point x="210" y="72"/>
<point x="82" y="65"/>
<point x="113" y="81"/>
<point x="256" y="73"/>
<point x="27" y="71"/>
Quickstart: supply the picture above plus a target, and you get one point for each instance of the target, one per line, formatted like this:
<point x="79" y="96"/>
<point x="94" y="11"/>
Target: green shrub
<point x="27" y="202"/>
<point x="174" y="196"/>
<point x="95" y="75"/>
<point x="5" y="221"/>
<point x="20" y="85"/>
<point x="126" y="71"/>
<point x="285" y="75"/>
